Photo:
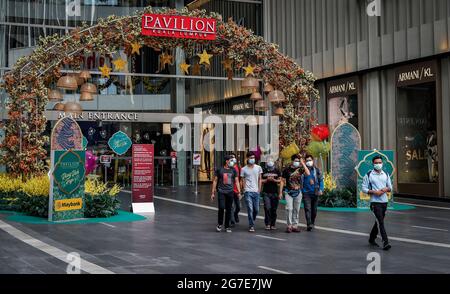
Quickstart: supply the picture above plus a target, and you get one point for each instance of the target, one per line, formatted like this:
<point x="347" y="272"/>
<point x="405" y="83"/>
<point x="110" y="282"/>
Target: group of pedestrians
<point x="299" y="180"/>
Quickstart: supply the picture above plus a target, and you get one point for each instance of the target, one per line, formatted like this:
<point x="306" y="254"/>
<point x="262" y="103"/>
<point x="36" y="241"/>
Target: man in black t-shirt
<point x="224" y="180"/>
<point x="272" y="193"/>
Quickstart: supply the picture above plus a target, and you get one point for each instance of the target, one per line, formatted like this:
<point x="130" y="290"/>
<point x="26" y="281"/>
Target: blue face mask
<point x="270" y="164"/>
<point x="251" y="161"/>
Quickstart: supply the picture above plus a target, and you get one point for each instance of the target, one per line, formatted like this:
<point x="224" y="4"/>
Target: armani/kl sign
<point x="176" y="26"/>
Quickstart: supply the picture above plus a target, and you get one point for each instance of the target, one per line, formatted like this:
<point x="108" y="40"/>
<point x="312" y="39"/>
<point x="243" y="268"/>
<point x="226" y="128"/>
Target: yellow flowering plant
<point x="36" y="186"/>
<point x="328" y="182"/>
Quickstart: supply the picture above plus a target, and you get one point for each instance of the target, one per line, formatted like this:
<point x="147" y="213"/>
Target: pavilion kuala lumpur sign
<point x="365" y="165"/>
<point x="66" y="199"/>
<point x="175" y="26"/>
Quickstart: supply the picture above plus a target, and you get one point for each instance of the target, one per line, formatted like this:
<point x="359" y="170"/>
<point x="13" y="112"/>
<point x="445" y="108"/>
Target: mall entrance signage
<point x="345" y="144"/>
<point x="142" y="178"/>
<point x="119" y="143"/>
<point x="365" y="165"/>
<point x="176" y="26"/>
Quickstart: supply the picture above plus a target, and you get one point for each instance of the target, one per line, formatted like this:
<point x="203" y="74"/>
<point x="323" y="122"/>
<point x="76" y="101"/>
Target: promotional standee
<point x="365" y="165"/>
<point x="66" y="199"/>
<point x="142" y="178"/>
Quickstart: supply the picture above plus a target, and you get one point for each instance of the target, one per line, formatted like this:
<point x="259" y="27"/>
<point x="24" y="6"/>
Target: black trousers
<point x="379" y="210"/>
<point x="225" y="201"/>
<point x="236" y="208"/>
<point x="310" y="205"/>
<point x="271" y="201"/>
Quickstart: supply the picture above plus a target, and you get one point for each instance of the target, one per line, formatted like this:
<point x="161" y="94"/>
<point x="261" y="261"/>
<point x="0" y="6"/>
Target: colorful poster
<point x="66" y="199"/>
<point x="142" y="173"/>
<point x="345" y="144"/>
<point x="365" y="165"/>
<point x="66" y="135"/>
<point x="119" y="143"/>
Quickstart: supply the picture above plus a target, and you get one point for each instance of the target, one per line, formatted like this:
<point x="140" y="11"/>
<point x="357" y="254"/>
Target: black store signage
<point x="417" y="73"/>
<point x="343" y="87"/>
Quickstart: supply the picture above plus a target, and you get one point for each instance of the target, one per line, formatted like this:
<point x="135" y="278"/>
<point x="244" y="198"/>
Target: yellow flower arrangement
<point x="328" y="182"/>
<point x="114" y="190"/>
<point x="36" y="186"/>
<point x="94" y="187"/>
<point x="9" y="184"/>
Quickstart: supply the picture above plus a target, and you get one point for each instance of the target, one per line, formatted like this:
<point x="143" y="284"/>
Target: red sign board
<point x="176" y="26"/>
<point x="142" y="172"/>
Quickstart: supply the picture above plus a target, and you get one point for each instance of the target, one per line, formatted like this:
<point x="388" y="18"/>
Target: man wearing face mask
<point x="237" y="196"/>
<point x="312" y="189"/>
<point x="224" y="180"/>
<point x="272" y="193"/>
<point x="251" y="183"/>
<point x="292" y="181"/>
<point x="377" y="184"/>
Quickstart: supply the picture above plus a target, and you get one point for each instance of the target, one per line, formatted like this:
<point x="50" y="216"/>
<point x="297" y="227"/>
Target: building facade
<point x="385" y="67"/>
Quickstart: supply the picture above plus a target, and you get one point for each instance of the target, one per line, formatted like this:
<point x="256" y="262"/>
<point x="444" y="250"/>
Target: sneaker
<point x="219" y="228"/>
<point x="386" y="246"/>
<point x="296" y="230"/>
<point x="267" y="228"/>
<point x="288" y="230"/>
<point x="228" y="230"/>
<point x="373" y="243"/>
<point x="252" y="229"/>
<point x="309" y="228"/>
<point x="236" y="219"/>
<point x="273" y="228"/>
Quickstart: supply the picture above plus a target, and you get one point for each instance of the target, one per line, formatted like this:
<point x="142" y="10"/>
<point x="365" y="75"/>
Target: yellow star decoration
<point x="119" y="64"/>
<point x="196" y="69"/>
<point x="165" y="59"/>
<point x="204" y="57"/>
<point x="227" y="64"/>
<point x="105" y="70"/>
<point x="135" y="47"/>
<point x="185" y="67"/>
<point x="249" y="70"/>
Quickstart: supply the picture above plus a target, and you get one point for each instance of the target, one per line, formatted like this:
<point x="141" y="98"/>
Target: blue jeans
<point x="252" y="201"/>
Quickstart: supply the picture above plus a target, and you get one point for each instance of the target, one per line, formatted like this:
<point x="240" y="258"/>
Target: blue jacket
<point x="317" y="179"/>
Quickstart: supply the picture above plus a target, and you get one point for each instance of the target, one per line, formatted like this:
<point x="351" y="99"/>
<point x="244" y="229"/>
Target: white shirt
<point x="251" y="176"/>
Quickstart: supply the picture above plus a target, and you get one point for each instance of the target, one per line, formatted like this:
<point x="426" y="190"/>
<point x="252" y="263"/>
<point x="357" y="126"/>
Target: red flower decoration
<point x="320" y="132"/>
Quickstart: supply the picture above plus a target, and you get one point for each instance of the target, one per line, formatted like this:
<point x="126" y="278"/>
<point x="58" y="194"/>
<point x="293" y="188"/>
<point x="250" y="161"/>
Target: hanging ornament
<point x="164" y="59"/>
<point x="135" y="48"/>
<point x="196" y="70"/>
<point x="103" y="134"/>
<point x="249" y="70"/>
<point x="227" y="64"/>
<point x="119" y="64"/>
<point x="230" y="75"/>
<point x="106" y="70"/>
<point x="91" y="131"/>
<point x="185" y="67"/>
<point x="205" y="57"/>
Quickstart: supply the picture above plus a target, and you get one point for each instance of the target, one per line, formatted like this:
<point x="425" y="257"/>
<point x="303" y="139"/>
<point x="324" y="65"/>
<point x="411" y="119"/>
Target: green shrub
<point x="338" y="198"/>
<point x="32" y="205"/>
<point x="102" y="205"/>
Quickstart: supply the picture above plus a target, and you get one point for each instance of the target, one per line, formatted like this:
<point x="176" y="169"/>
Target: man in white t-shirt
<point x="251" y="184"/>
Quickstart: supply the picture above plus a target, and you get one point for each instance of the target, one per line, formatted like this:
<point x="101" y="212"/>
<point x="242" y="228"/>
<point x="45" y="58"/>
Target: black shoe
<point x="309" y="228"/>
<point x="386" y="246"/>
<point x="236" y="219"/>
<point x="373" y="243"/>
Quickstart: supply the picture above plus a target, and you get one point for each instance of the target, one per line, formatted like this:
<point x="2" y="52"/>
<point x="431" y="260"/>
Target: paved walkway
<point x="181" y="238"/>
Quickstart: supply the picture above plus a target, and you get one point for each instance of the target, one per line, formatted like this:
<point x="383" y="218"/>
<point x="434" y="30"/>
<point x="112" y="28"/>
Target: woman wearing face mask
<point x="312" y="189"/>
<point x="251" y="183"/>
<point x="292" y="181"/>
<point x="237" y="196"/>
<point x="272" y="193"/>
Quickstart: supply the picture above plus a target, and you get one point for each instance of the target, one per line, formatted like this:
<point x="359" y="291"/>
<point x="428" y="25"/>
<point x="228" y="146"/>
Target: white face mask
<point x="309" y="163"/>
<point x="231" y="163"/>
<point x="251" y="161"/>
<point x="296" y="163"/>
<point x="270" y="164"/>
<point x="378" y="166"/>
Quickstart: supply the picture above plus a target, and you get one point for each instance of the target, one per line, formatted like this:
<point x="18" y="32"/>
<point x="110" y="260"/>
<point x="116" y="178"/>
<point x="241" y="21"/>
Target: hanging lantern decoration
<point x="261" y="105"/>
<point x="279" y="110"/>
<point x="89" y="88"/>
<point x="86" y="96"/>
<point x="276" y="96"/>
<point x="55" y="95"/>
<point x="59" y="106"/>
<point x="77" y="77"/>
<point x="67" y="82"/>
<point x="268" y="88"/>
<point x="73" y="107"/>
<point x="250" y="83"/>
<point x="256" y="96"/>
<point x="85" y="75"/>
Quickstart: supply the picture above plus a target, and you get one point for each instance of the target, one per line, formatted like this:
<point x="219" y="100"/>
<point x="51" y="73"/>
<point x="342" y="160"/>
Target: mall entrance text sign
<point x="365" y="165"/>
<point x="176" y="26"/>
<point x="66" y="197"/>
<point x="142" y="178"/>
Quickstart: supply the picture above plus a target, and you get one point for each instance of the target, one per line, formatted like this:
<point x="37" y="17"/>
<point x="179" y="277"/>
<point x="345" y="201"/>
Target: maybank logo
<point x="68" y="204"/>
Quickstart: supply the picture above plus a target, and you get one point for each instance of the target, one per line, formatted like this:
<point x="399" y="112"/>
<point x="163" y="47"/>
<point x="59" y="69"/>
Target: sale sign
<point x="142" y="177"/>
<point x="176" y="26"/>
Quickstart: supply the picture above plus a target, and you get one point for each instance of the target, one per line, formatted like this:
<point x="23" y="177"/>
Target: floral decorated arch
<point x="28" y="82"/>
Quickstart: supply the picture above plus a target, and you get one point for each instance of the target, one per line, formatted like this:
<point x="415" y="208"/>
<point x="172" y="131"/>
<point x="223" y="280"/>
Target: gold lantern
<point x="89" y="87"/>
<point x="268" y="88"/>
<point x="250" y="83"/>
<point x="67" y="82"/>
<point x="261" y="105"/>
<point x="85" y="75"/>
<point x="276" y="96"/>
<point x="279" y="110"/>
<point x="59" y="106"/>
<point x="86" y="96"/>
<point x="73" y="107"/>
<point x="55" y="95"/>
<point x="256" y="96"/>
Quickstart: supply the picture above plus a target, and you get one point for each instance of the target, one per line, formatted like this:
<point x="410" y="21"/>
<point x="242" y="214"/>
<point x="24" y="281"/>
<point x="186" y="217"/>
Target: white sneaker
<point x="228" y="230"/>
<point x="219" y="228"/>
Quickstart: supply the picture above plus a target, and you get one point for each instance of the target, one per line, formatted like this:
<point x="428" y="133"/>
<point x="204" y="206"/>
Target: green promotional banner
<point x="365" y="165"/>
<point x="67" y="185"/>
